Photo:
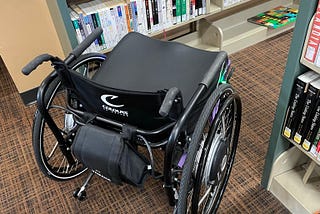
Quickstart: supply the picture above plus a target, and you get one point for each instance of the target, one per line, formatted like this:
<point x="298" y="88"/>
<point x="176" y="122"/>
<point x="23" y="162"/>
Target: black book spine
<point x="305" y="115"/>
<point x="155" y="12"/>
<point x="313" y="127"/>
<point x="297" y="99"/>
<point x="148" y="14"/>
<point x="95" y="24"/>
<point x="198" y="6"/>
<point x="174" y="10"/>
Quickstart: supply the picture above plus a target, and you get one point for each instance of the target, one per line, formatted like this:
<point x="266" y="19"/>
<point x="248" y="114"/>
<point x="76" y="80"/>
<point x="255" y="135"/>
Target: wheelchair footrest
<point x="107" y="153"/>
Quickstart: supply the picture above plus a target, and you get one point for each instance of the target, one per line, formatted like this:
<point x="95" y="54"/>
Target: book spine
<point x="155" y="15"/>
<point x="174" y="11"/>
<point x="305" y="116"/>
<point x="318" y="150"/>
<point x="123" y="21"/>
<point x="103" y="42"/>
<point x="183" y="10"/>
<point x="188" y="3"/>
<point x="198" y="7"/>
<point x="169" y="18"/>
<point x="114" y="26"/>
<point x="193" y="8"/>
<point x="162" y="13"/>
<point x="148" y="15"/>
<point x="314" y="38"/>
<point x="104" y="25"/>
<point x="178" y="11"/>
<point x="129" y="21"/>
<point x="134" y="11"/>
<point x="76" y="26"/>
<point x="295" y="107"/>
<point x="313" y="150"/>
<point x="94" y="25"/>
<point x="313" y="127"/>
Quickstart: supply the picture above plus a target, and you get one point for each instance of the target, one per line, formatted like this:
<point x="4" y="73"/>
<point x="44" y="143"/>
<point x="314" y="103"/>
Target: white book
<point x="204" y="6"/>
<point x="114" y="28"/>
<point x="104" y="25"/>
<point x="169" y="13"/>
<point x="187" y="10"/>
<point x="123" y="19"/>
<point x="164" y="13"/>
<point x="134" y="14"/>
<point x="150" y="16"/>
<point x="142" y="17"/>
<point x="161" y="12"/>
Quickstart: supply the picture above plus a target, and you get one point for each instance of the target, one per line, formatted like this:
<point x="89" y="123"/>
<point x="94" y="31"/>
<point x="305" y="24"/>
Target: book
<point x="313" y="125"/>
<point x="313" y="39"/>
<point x="129" y="19"/>
<point x="148" y="14"/>
<point x="169" y="13"/>
<point x="192" y="8"/>
<point x="309" y="105"/>
<point x="142" y="17"/>
<point x="178" y="10"/>
<point x="313" y="149"/>
<point x="296" y="102"/>
<point x="318" y="150"/>
<point x="155" y="15"/>
<point x="198" y="7"/>
<point x="98" y="21"/>
<point x="134" y="14"/>
<point x="276" y="17"/>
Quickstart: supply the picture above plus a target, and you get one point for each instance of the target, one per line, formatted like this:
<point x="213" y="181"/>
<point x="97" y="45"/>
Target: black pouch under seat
<point x="106" y="153"/>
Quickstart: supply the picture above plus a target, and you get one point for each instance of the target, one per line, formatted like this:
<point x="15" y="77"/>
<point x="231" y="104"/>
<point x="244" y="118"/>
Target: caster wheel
<point x="81" y="196"/>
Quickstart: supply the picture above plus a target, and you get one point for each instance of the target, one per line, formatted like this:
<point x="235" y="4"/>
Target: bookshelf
<point x="291" y="173"/>
<point x="232" y="32"/>
<point x="302" y="59"/>
<point x="210" y="31"/>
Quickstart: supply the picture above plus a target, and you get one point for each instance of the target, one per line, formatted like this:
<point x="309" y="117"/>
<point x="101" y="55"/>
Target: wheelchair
<point x="107" y="115"/>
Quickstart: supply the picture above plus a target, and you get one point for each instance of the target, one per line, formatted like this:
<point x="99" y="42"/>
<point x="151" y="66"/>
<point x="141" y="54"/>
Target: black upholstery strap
<point x="129" y="133"/>
<point x="88" y="117"/>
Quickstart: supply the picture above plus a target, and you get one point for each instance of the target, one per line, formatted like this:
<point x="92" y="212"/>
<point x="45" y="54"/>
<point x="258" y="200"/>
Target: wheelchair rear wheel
<point x="211" y="153"/>
<point x="49" y="157"/>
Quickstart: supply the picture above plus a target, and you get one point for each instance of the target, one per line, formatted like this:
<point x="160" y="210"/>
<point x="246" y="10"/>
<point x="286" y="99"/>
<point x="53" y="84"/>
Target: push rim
<point x="215" y="162"/>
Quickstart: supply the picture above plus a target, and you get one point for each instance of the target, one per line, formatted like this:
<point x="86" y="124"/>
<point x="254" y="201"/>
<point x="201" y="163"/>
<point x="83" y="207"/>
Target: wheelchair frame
<point x="176" y="128"/>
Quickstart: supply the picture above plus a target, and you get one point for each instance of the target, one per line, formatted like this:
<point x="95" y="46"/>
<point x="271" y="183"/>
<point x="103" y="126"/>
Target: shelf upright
<point x="60" y="14"/>
<point x="278" y="143"/>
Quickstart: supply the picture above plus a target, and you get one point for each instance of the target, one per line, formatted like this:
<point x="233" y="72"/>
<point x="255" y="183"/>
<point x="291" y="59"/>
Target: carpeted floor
<point x="25" y="190"/>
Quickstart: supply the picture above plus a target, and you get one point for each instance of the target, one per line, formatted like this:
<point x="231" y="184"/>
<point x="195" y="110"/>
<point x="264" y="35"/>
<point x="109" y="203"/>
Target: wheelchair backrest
<point x="138" y="109"/>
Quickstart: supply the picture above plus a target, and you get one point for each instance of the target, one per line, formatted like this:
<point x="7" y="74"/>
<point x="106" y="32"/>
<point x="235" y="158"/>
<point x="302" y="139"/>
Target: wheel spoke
<point x="53" y="151"/>
<point x="205" y="196"/>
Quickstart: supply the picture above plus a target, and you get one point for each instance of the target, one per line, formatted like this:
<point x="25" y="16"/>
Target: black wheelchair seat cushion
<point x="140" y="63"/>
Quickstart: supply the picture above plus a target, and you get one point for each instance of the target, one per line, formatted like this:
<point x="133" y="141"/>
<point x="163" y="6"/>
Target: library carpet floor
<point x="258" y="77"/>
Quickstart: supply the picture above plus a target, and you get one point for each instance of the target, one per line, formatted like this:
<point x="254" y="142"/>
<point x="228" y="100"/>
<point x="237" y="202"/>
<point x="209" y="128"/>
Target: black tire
<point x="211" y="153"/>
<point x="48" y="156"/>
